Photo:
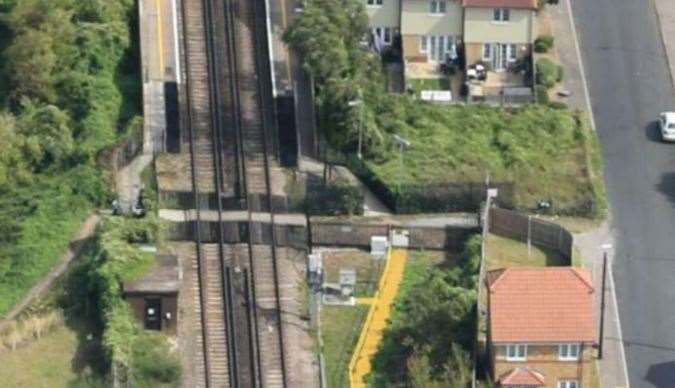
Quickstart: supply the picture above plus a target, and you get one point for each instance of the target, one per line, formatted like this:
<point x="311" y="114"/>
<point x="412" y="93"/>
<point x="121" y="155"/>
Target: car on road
<point x="667" y="125"/>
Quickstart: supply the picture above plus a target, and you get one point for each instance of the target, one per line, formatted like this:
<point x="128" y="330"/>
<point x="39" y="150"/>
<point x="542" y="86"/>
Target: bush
<point x="557" y="105"/>
<point x="543" y="43"/>
<point x="334" y="200"/>
<point x="561" y="74"/>
<point x="547" y="72"/>
<point x="541" y="92"/>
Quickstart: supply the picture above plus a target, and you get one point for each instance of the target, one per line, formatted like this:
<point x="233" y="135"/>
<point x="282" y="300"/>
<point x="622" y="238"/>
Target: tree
<point x="29" y="63"/>
<point x="47" y="136"/>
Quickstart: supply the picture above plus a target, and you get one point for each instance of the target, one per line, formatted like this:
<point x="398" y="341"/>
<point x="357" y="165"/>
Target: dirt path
<point x="76" y="244"/>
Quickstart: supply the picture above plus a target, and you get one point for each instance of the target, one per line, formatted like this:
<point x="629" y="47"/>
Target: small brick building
<point x="154" y="297"/>
<point x="541" y="330"/>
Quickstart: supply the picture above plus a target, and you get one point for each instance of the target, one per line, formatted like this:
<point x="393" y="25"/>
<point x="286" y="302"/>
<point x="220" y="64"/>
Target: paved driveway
<point x="629" y="84"/>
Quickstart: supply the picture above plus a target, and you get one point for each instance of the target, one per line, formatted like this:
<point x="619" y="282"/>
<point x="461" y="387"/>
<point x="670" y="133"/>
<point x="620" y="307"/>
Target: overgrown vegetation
<point x="132" y="354"/>
<point x="431" y="334"/>
<point x="69" y="86"/>
<point x="537" y="151"/>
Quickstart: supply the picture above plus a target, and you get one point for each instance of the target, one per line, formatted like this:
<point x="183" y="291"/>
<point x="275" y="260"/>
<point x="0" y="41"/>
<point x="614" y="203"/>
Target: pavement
<point x="630" y="83"/>
<point x="612" y="366"/>
<point x="665" y="14"/>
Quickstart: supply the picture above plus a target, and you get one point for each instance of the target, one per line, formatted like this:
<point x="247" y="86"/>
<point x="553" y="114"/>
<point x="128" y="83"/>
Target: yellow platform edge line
<point x="371" y="334"/>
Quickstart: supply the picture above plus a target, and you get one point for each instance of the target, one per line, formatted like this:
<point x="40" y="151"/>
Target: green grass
<point x="45" y="237"/>
<point x="504" y="252"/>
<point x="417" y="85"/>
<point x="540" y="150"/>
<point x="340" y="326"/>
<point x="42" y="363"/>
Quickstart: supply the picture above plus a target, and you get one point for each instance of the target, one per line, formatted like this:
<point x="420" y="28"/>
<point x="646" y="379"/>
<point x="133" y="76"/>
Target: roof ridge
<point x="577" y="273"/>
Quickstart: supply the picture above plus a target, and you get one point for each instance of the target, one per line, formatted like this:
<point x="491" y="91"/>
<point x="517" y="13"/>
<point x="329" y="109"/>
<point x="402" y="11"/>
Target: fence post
<point x="529" y="236"/>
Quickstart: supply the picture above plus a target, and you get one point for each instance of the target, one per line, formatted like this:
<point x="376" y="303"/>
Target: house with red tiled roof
<point x="541" y="330"/>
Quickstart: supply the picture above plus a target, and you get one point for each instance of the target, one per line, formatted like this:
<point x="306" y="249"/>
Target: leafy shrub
<point x="543" y="43"/>
<point x="547" y="72"/>
<point x="153" y="362"/>
<point x="558" y="105"/>
<point x="541" y="92"/>
<point x="561" y="73"/>
<point x="433" y="326"/>
<point x="333" y="200"/>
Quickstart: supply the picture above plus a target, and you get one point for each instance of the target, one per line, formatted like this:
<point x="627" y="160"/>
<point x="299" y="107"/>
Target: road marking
<point x="175" y="40"/>
<point x="160" y="38"/>
<point x="618" y="322"/>
<point x="581" y="64"/>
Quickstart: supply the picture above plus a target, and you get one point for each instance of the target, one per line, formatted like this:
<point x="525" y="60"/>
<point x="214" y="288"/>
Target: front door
<point x="153" y="314"/>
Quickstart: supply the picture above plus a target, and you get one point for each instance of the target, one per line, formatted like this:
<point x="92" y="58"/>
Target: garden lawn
<point x="540" y="149"/>
<point x="340" y="328"/>
<point x="504" y="252"/>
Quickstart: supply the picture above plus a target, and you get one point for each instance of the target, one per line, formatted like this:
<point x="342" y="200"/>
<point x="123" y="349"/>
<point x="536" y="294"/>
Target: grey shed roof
<point x="162" y="278"/>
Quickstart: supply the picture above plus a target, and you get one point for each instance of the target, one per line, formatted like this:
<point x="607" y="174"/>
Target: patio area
<point x="504" y="87"/>
<point x="421" y="76"/>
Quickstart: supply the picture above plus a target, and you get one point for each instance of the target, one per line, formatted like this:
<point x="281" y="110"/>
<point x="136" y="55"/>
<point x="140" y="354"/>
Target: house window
<point x="437" y="7"/>
<point x="568" y="384"/>
<point x="568" y="352"/>
<point x="387" y="35"/>
<point x="374" y="3"/>
<point x="502" y="15"/>
<point x="512" y="52"/>
<point x="487" y="51"/>
<point x="423" y="44"/>
<point x="383" y="34"/>
<point x="516" y="352"/>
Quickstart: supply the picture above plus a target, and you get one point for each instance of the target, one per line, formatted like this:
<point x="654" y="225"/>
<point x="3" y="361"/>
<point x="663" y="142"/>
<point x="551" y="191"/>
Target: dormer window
<point x="502" y="15"/>
<point x="374" y="3"/>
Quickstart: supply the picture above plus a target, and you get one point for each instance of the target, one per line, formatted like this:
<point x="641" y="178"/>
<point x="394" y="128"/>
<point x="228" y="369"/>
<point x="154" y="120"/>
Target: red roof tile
<point x="528" y="4"/>
<point x="523" y="377"/>
<point x="541" y="304"/>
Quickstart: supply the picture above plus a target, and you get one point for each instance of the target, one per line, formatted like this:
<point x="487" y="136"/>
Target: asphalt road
<point x="629" y="85"/>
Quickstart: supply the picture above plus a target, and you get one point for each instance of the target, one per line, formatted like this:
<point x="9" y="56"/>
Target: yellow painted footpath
<point x="376" y="321"/>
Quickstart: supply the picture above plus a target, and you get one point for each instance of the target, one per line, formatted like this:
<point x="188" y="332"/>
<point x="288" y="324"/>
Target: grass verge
<point x="504" y="252"/>
<point x="340" y="327"/>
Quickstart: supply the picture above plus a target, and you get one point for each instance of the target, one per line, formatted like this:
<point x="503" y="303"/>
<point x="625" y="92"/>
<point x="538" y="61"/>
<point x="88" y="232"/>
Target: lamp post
<point x="601" y="331"/>
<point x="355" y="103"/>
<point x="402" y="143"/>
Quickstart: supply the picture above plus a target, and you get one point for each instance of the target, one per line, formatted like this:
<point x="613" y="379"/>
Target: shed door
<point x="153" y="314"/>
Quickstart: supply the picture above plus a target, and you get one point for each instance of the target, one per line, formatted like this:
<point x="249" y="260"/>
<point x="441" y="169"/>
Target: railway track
<point x="239" y="309"/>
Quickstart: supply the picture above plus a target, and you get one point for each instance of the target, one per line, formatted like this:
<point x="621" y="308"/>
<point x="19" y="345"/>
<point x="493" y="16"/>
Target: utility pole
<point x="602" y="307"/>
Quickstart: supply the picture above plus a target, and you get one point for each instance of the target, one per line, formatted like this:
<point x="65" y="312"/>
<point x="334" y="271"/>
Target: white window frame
<point x="374" y="3"/>
<point x="487" y="51"/>
<point x="501" y="15"/>
<point x="517" y="352"/>
<point x="568" y="384"/>
<point x="424" y="44"/>
<point x="438" y="7"/>
<point x="565" y="352"/>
